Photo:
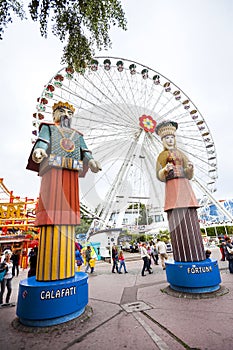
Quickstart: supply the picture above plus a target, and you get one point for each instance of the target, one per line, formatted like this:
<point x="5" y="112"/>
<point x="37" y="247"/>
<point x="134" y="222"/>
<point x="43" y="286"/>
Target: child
<point x="92" y="261"/>
<point x="122" y="262"/>
<point x="78" y="259"/>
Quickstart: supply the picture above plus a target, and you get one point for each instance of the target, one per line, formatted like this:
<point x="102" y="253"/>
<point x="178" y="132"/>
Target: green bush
<point x="217" y="231"/>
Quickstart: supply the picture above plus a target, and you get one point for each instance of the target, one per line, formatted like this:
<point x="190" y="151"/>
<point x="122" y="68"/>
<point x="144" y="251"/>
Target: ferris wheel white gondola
<point x="117" y="101"/>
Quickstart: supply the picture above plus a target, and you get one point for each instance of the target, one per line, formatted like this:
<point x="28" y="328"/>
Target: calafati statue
<point x="174" y="168"/>
<point x="60" y="156"/>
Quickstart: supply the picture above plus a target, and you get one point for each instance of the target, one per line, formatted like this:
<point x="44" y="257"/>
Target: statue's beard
<point x="65" y="122"/>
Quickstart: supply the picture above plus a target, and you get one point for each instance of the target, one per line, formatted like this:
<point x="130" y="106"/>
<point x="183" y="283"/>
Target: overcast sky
<point x="189" y="42"/>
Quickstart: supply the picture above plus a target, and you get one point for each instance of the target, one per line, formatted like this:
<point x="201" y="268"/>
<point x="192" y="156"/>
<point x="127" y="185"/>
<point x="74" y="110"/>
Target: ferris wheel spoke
<point x="111" y="97"/>
<point x="117" y="151"/>
<point x="157" y="101"/>
<point x="97" y="119"/>
<point x="130" y="92"/>
<point x="196" y="152"/>
<point x="108" y="96"/>
<point x="195" y="148"/>
<point x="104" y="175"/>
<point x="113" y="136"/>
<point x="155" y="188"/>
<point x="164" y="106"/>
<point x="169" y="112"/>
<point x="181" y="118"/>
<point x="124" y="169"/>
<point x="118" y="97"/>
<point x="92" y="100"/>
<point x="102" y="110"/>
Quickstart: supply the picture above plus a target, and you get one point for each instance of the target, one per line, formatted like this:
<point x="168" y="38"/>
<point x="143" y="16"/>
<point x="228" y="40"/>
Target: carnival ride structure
<point x="16" y="214"/>
<point x="17" y="230"/>
<point x="118" y="103"/>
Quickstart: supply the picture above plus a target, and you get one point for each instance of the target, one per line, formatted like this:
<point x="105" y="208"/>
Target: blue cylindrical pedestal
<point x="193" y="277"/>
<point x="42" y="304"/>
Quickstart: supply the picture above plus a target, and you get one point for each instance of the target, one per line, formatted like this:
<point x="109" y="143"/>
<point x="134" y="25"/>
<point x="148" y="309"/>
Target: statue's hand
<point x="190" y="166"/>
<point x="94" y="166"/>
<point x="38" y="155"/>
<point x="168" y="167"/>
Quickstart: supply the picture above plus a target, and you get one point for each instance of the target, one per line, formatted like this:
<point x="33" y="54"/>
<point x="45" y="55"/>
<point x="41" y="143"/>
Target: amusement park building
<point x="208" y="215"/>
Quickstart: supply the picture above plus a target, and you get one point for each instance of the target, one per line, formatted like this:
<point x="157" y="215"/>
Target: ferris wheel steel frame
<point x="109" y="98"/>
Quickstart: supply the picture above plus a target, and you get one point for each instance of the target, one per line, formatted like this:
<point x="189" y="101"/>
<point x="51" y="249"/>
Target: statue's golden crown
<point x="63" y="104"/>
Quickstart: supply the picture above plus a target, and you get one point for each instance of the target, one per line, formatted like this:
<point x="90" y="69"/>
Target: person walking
<point x="122" y="262"/>
<point x="229" y="253"/>
<point x="162" y="250"/>
<point x="114" y="259"/>
<point x="150" y="256"/>
<point x="78" y="258"/>
<point x="222" y="245"/>
<point x="33" y="262"/>
<point x="88" y="258"/>
<point x="155" y="254"/>
<point x="152" y="251"/>
<point x="145" y="257"/>
<point x="93" y="261"/>
<point x="15" y="261"/>
<point x="7" y="280"/>
<point x="24" y="261"/>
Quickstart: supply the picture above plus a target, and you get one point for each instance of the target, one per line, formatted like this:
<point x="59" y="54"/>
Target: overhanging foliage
<point x="82" y="24"/>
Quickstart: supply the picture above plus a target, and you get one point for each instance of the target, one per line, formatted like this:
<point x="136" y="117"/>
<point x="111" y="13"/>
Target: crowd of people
<point x="85" y="256"/>
<point x="10" y="263"/>
<point x="152" y="253"/>
<point x="118" y="260"/>
<point x="9" y="268"/>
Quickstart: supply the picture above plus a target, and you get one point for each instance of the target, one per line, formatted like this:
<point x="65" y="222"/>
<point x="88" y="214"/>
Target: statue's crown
<point x="165" y="128"/>
<point x="63" y="104"/>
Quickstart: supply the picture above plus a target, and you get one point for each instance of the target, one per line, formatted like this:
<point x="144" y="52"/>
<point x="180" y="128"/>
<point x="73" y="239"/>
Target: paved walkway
<point x="129" y="311"/>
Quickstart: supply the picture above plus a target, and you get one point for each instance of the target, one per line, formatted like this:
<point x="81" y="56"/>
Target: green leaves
<point x="77" y="52"/>
<point x="83" y="24"/>
<point x="7" y="9"/>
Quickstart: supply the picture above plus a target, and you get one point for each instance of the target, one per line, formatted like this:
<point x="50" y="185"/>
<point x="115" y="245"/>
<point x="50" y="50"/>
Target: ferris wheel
<point x="118" y="103"/>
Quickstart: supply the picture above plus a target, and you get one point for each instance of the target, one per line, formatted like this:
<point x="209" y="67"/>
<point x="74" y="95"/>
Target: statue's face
<point x="169" y="141"/>
<point x="63" y="116"/>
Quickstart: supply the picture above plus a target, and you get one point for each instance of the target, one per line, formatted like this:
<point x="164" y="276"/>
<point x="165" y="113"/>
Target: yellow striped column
<point x="56" y="256"/>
